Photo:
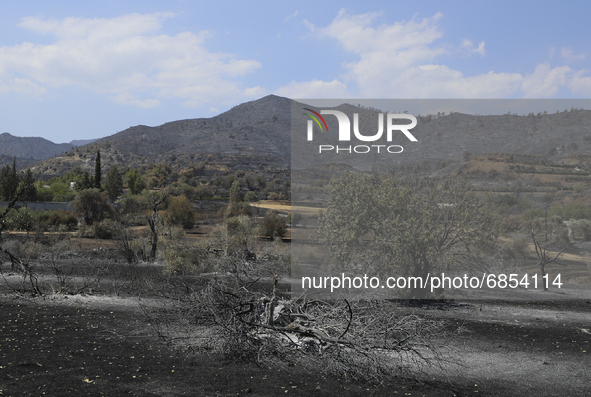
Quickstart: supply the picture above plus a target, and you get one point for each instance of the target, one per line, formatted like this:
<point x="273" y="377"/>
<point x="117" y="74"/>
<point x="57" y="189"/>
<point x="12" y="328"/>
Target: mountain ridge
<point x="30" y="147"/>
<point x="256" y="136"/>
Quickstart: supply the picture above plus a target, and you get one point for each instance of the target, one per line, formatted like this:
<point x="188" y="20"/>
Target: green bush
<point x="133" y="205"/>
<point x="275" y="196"/>
<point x="533" y="213"/>
<point x="134" y="181"/>
<point x="62" y="218"/>
<point x="506" y="201"/>
<point x="272" y="225"/>
<point x="251" y="196"/>
<point x="572" y="211"/>
<point x="236" y="209"/>
<point x="92" y="205"/>
<point x="21" y="220"/>
<point x="180" y="212"/>
<point x="184" y="189"/>
<point x="105" y="230"/>
<point x="203" y="191"/>
<point x="579" y="187"/>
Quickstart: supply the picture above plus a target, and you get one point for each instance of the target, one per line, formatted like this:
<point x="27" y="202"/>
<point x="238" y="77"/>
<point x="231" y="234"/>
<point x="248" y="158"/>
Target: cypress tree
<point x="9" y="181"/>
<point x="97" y="170"/>
<point x="5" y="186"/>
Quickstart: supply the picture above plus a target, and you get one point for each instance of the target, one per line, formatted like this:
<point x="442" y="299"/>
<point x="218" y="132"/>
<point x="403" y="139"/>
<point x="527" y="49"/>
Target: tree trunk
<point x="154" y="230"/>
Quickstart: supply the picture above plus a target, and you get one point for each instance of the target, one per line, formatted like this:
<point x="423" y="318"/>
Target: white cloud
<point x="314" y="89"/>
<point x="468" y="46"/>
<point x="287" y="18"/>
<point x="10" y="83"/>
<point x="255" y="92"/>
<point x="96" y="28"/>
<point x="126" y="98"/>
<point x="545" y="81"/>
<point x="400" y="61"/>
<point x="126" y="58"/>
<point x="356" y="34"/>
<point x="580" y="84"/>
<point x="569" y="54"/>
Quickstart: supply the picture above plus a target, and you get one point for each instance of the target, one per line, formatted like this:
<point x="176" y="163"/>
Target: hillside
<point x="255" y="136"/>
<point x="555" y="136"/>
<point x="30" y="147"/>
<point x="252" y="136"/>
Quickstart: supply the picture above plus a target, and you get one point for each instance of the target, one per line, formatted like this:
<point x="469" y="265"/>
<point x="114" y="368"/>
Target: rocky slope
<point x="256" y="136"/>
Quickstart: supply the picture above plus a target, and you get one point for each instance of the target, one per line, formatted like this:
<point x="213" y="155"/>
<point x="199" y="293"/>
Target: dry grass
<point x="285" y="208"/>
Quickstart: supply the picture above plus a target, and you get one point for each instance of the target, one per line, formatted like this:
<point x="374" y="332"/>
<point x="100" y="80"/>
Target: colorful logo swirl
<point x="316" y="118"/>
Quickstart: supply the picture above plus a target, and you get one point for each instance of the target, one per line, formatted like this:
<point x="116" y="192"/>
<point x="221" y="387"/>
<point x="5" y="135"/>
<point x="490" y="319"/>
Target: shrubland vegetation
<point x="224" y="290"/>
<point x="415" y="226"/>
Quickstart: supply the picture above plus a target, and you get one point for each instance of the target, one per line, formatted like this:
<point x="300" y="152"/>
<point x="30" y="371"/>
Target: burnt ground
<point x="93" y="345"/>
<point x="539" y="348"/>
<point x="70" y="347"/>
<point x="99" y="343"/>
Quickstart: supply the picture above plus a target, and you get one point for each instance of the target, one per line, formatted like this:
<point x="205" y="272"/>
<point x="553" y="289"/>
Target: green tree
<point x="28" y="186"/>
<point x="92" y="205"/>
<point x="9" y="181"/>
<point x="114" y="184"/>
<point x="235" y="196"/>
<point x="262" y="182"/>
<point x="87" y="181"/>
<point x="272" y="225"/>
<point x="97" y="170"/>
<point x="251" y="196"/>
<point x="230" y="179"/>
<point x="60" y="191"/>
<point x="134" y="181"/>
<point x="250" y="181"/>
<point x="158" y="175"/>
<point x="412" y="227"/>
<point x="203" y="191"/>
<point x="180" y="212"/>
<point x="21" y="220"/>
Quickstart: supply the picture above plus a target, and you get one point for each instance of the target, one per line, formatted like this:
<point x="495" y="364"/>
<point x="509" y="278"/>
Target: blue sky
<point x="79" y="70"/>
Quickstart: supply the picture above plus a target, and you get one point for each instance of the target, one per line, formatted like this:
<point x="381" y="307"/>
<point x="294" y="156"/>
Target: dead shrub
<point x="105" y="230"/>
<point x="581" y="229"/>
<point x="510" y="224"/>
<point x="179" y="255"/>
<point x="517" y="249"/>
<point x="184" y="258"/>
<point x="355" y="340"/>
<point x="132" y="247"/>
